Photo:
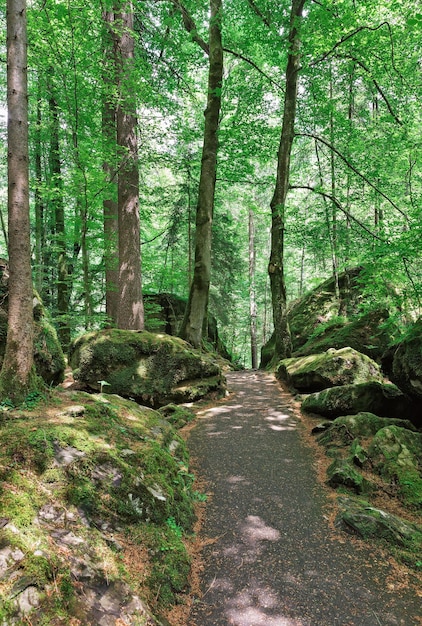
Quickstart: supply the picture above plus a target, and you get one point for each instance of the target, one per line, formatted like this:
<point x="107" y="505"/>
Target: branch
<point x="333" y="199"/>
<point x="349" y="36"/>
<point x="238" y="55"/>
<point x="259" y="13"/>
<point x="378" y="88"/>
<point x="356" y="171"/>
<point x="190" y="26"/>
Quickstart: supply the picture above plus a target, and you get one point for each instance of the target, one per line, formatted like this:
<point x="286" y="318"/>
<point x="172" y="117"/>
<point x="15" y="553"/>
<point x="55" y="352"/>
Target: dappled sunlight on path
<point x="273" y="560"/>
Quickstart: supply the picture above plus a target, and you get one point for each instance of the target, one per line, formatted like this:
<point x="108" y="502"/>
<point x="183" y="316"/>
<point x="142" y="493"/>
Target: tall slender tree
<point x="130" y="314"/>
<point x="196" y="311"/>
<point x="17" y="376"/>
<point x="278" y="202"/>
<point x="110" y="209"/>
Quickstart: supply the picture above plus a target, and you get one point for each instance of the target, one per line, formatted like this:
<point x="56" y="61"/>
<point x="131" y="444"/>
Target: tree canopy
<point x="354" y="188"/>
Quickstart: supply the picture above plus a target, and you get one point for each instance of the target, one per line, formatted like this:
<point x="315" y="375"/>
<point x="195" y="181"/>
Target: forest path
<point x="274" y="559"/>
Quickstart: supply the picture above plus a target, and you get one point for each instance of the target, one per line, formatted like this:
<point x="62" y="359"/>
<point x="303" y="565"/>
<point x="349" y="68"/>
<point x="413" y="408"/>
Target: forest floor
<point x="268" y="552"/>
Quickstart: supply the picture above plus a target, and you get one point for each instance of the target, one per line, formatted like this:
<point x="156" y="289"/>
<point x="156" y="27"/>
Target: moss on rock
<point x="331" y="368"/>
<point x="153" y="369"/>
<point x="374" y="397"/>
<point x="79" y="482"/>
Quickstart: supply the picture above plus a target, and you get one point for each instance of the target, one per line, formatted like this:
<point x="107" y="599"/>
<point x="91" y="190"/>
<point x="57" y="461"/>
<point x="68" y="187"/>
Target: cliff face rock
<point x="153" y="369"/>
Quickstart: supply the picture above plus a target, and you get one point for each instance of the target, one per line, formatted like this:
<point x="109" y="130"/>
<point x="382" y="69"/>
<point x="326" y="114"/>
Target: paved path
<point x="274" y="561"/>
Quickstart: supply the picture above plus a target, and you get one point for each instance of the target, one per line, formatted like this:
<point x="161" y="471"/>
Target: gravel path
<point x="274" y="560"/>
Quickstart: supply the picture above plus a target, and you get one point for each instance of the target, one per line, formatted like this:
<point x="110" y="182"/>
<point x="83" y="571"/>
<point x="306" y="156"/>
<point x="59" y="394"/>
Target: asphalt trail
<point x="275" y="561"/>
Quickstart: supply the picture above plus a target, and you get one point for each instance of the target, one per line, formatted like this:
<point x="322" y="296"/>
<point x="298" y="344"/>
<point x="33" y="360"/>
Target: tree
<point x="109" y="131"/>
<point x="278" y="202"/>
<point x="197" y="307"/>
<point x="130" y="314"/>
<point x="17" y="376"/>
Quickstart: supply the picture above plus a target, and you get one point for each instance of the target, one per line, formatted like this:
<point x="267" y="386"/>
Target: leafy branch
<point x="356" y="171"/>
<point x="333" y="199"/>
<point x="362" y="65"/>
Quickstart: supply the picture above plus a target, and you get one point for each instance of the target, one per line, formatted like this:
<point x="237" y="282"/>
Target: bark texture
<point x="278" y="202"/>
<point x="130" y="314"/>
<point x="196" y="310"/>
<point x="17" y="375"/>
<point x="110" y="211"/>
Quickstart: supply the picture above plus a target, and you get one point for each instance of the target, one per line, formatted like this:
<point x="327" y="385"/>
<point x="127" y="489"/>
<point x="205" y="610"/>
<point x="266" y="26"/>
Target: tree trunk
<point x="276" y="264"/>
<point x="130" y="314"/>
<point x="59" y="226"/>
<point x="197" y="307"/>
<point x="252" y="294"/>
<point x="110" y="212"/>
<point x="18" y="375"/>
<point x="39" y="205"/>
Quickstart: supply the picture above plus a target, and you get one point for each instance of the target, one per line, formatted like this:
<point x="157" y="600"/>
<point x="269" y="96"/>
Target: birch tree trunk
<point x="17" y="376"/>
<point x="276" y="265"/>
<point x="197" y="308"/>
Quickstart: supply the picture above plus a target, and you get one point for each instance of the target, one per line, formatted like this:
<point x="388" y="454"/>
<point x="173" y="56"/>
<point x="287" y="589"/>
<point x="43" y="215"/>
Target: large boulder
<point x="329" y="369"/>
<point x="321" y="319"/>
<point x="396" y="454"/>
<point x="370" y="334"/>
<point x="374" y="397"/>
<point x="164" y="314"/>
<point x="405" y="361"/>
<point x="153" y="369"/>
<point x="346" y="429"/>
<point x="48" y="354"/>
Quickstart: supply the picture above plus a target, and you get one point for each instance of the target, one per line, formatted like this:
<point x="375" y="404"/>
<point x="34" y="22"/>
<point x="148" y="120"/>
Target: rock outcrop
<point x="329" y="369"/>
<point x="153" y="369"/>
<point x="92" y="522"/>
<point x="405" y="363"/>
<point x="321" y="320"/>
<point x="384" y="400"/>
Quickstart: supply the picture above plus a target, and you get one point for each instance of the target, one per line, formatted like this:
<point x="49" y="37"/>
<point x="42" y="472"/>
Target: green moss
<point x="178" y="416"/>
<point x="171" y="563"/>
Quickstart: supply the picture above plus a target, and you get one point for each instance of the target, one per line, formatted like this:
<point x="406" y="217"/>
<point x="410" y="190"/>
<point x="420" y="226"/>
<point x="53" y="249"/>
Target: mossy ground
<point x="125" y="490"/>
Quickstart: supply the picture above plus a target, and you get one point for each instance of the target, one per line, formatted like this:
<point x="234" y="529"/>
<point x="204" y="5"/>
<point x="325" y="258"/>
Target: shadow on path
<point x="274" y="561"/>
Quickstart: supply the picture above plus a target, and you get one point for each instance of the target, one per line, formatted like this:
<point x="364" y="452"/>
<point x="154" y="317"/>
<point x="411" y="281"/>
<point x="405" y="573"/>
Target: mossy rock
<point x="342" y="474"/>
<point x="396" y="454"/>
<point x="381" y="399"/>
<point x="347" y="428"/>
<point x="331" y="368"/>
<point x="153" y="369"/>
<point x="90" y="487"/>
<point x="164" y="313"/>
<point x="406" y="371"/>
<point x="360" y="518"/>
<point x="48" y="354"/>
<point x="369" y="334"/>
